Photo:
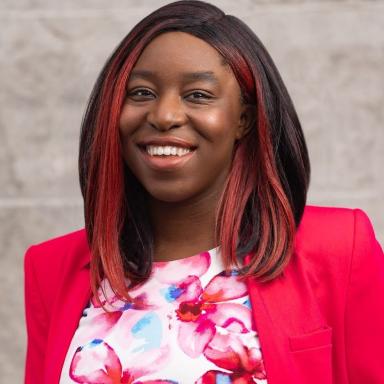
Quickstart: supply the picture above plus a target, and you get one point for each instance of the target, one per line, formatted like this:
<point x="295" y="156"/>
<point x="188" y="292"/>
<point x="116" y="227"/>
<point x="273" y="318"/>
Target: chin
<point x="170" y="195"/>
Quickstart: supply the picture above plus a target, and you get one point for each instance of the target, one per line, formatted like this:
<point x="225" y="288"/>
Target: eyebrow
<point x="189" y="77"/>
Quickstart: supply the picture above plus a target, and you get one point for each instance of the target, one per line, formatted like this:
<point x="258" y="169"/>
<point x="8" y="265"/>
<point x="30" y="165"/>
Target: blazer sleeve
<point x="364" y="317"/>
<point x="36" y="320"/>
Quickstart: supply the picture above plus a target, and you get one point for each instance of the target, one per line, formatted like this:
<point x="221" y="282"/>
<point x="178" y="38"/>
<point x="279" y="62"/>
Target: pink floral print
<point x="209" y="318"/>
<point x="211" y="326"/>
<point x="97" y="363"/>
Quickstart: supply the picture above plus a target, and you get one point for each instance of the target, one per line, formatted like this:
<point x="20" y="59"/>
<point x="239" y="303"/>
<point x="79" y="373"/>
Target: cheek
<point x="127" y="126"/>
<point x="130" y="119"/>
<point x="218" y="126"/>
<point x="216" y="151"/>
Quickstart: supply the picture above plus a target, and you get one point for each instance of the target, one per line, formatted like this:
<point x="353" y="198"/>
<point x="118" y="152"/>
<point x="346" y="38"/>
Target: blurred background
<point x="330" y="55"/>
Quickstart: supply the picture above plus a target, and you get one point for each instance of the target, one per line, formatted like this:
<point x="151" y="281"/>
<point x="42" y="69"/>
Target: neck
<point x="183" y="229"/>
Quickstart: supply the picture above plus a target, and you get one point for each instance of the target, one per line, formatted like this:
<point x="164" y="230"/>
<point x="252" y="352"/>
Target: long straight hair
<point x="265" y="192"/>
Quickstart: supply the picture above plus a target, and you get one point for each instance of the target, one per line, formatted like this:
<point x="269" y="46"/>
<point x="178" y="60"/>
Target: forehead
<point x="181" y="51"/>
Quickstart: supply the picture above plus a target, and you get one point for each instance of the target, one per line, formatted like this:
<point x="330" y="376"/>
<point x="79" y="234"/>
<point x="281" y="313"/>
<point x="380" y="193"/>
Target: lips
<point x="166" y="153"/>
<point x="167" y="141"/>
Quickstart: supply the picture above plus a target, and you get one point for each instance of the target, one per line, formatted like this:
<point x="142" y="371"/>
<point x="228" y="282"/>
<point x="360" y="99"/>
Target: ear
<point x="246" y="121"/>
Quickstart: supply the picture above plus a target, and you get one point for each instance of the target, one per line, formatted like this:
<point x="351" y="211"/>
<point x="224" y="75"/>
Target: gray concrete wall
<point x="330" y="54"/>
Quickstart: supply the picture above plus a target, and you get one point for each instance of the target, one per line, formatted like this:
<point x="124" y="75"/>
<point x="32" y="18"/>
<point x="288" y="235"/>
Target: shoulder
<point x="336" y="253"/>
<point x="333" y="230"/>
<point x="331" y="241"/>
<point x="54" y="251"/>
<point x="47" y="263"/>
<point x="334" y="246"/>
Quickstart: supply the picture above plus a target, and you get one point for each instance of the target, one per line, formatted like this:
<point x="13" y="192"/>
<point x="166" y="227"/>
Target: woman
<point x="199" y="262"/>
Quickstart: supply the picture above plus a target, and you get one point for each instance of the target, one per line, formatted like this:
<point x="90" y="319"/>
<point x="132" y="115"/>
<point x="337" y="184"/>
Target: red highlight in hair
<point x="277" y="225"/>
<point x="253" y="179"/>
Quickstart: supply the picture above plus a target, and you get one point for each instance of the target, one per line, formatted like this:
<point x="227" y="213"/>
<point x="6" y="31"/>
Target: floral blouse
<point x="189" y="323"/>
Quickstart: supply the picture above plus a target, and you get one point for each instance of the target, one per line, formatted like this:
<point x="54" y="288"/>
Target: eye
<point x="141" y="94"/>
<point x="199" y="96"/>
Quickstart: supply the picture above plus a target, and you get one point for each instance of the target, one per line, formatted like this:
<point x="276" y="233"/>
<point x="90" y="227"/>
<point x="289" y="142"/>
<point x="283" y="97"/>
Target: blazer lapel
<point x="74" y="294"/>
<point x="287" y="319"/>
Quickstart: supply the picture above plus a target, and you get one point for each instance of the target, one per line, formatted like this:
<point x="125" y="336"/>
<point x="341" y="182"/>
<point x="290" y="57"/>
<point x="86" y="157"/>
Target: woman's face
<point x="181" y="118"/>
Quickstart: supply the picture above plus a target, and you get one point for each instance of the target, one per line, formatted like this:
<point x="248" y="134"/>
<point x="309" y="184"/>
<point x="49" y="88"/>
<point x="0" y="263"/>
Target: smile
<point x="166" y="150"/>
<point x="166" y="158"/>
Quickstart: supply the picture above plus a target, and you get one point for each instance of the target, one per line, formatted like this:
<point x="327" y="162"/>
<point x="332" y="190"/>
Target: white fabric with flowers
<point x="189" y="323"/>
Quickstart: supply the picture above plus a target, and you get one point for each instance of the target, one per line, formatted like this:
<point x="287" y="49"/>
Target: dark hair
<point x="265" y="193"/>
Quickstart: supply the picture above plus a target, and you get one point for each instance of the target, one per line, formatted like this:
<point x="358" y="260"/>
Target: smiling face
<point x="181" y="118"/>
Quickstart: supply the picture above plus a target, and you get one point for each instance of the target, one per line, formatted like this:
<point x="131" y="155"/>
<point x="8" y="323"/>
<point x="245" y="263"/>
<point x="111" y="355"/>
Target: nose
<point x="167" y="112"/>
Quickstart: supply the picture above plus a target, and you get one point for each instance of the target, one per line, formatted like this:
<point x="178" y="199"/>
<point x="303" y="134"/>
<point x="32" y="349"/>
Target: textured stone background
<point x="330" y="53"/>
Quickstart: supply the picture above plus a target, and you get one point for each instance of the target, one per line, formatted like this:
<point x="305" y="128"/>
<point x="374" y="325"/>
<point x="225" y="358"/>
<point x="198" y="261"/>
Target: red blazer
<point x="321" y="322"/>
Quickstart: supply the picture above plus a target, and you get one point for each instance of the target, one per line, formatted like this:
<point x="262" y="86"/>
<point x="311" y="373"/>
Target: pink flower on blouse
<point x="97" y="362"/>
<point x="162" y="281"/>
<point x="214" y="377"/>
<point x="212" y="326"/>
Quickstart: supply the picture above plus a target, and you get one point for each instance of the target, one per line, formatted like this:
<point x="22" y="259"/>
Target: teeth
<point x="157" y="150"/>
<point x="181" y="151"/>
